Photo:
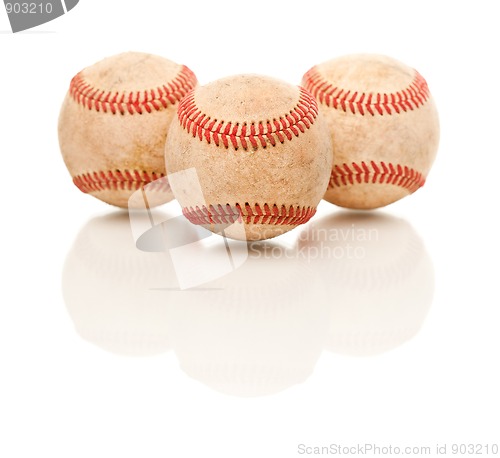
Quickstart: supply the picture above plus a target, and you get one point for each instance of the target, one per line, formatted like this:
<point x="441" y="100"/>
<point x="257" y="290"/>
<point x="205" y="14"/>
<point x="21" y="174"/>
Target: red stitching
<point x="114" y="180"/>
<point x="375" y="103"/>
<point x="139" y="102"/>
<point x="256" y="214"/>
<point x="375" y="173"/>
<point x="244" y="134"/>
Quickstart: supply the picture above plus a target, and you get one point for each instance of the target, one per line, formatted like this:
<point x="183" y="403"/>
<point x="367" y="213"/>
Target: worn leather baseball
<point x="114" y="121"/>
<point x="260" y="154"/>
<point x="384" y="126"/>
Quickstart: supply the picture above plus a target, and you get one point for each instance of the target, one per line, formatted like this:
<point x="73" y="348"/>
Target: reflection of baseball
<point x="384" y="126"/>
<point x="114" y="121"/>
<point x="260" y="151"/>
<point x="379" y="283"/>
<point x="253" y="332"/>
<point x="111" y="289"/>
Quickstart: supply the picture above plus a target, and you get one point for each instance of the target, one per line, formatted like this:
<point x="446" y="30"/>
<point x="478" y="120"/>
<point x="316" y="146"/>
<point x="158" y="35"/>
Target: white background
<point x="64" y="395"/>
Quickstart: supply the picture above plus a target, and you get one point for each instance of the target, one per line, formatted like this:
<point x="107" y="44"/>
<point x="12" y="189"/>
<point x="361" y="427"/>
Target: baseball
<point x="114" y="121"/>
<point x="384" y="126"/>
<point x="260" y="152"/>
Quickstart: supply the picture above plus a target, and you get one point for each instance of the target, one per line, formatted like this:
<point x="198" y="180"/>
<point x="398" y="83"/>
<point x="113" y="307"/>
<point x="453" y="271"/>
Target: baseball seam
<point x="145" y="101"/>
<point x="248" y="134"/>
<point x="256" y="214"/>
<point x="375" y="173"/>
<point x="114" y="180"/>
<point x="357" y="102"/>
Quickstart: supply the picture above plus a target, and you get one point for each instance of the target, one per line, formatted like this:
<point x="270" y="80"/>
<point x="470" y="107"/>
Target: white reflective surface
<point x="352" y="283"/>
